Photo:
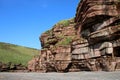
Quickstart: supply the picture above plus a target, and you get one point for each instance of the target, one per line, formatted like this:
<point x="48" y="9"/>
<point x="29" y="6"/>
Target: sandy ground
<point x="62" y="76"/>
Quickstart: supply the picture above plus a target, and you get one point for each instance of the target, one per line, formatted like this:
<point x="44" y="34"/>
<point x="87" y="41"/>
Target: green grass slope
<point x="16" y="54"/>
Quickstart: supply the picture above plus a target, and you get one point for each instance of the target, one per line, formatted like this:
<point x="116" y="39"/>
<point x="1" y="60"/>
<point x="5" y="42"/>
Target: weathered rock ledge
<point x="89" y="42"/>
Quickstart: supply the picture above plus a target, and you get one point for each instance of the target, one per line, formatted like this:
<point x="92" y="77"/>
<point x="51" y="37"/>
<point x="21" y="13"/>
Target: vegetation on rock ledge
<point x="65" y="23"/>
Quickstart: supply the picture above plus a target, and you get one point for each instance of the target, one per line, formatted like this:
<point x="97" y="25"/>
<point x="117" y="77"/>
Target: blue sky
<point x="23" y="21"/>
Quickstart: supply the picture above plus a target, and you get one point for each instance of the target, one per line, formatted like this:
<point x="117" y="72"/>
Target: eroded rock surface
<point x="98" y="21"/>
<point x="89" y="42"/>
<point x="56" y="52"/>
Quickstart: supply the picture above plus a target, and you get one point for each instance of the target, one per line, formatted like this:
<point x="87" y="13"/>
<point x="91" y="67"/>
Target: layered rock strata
<point x="90" y="42"/>
<point x="56" y="44"/>
<point x="98" y="21"/>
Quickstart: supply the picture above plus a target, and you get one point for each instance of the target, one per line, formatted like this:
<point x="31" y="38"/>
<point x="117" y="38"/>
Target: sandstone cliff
<point x="89" y="42"/>
<point x="98" y="21"/>
<point x="56" y="46"/>
<point x="61" y="34"/>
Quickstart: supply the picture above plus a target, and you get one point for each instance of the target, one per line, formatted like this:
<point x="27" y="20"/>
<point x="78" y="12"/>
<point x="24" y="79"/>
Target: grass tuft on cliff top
<point x="16" y="54"/>
<point x="65" y="23"/>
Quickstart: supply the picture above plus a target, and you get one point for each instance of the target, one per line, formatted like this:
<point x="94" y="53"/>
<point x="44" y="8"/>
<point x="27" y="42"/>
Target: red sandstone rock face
<point x="59" y="44"/>
<point x="55" y="55"/>
<point x="98" y="22"/>
<point x="31" y="64"/>
<point x="94" y="45"/>
<point x="57" y="35"/>
<point x="91" y="13"/>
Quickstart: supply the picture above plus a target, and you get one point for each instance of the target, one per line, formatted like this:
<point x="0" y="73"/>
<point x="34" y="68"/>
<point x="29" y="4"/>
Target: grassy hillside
<point x="16" y="54"/>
